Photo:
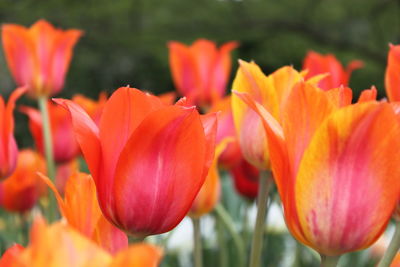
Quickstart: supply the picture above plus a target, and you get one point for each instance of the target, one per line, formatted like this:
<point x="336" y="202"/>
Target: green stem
<point x="392" y="249"/>
<point x="223" y="256"/>
<point x="258" y="234"/>
<point x="230" y="226"/>
<point x="48" y="149"/>
<point x="197" y="253"/>
<point x="329" y="261"/>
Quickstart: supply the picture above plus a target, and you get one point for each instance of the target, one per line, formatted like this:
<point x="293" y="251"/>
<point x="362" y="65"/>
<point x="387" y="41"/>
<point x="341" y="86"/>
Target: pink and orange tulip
<point x="201" y="71"/>
<point x="335" y="166"/>
<point x="21" y="191"/>
<point x="65" y="147"/>
<point x="8" y="145"/>
<point x="39" y="57"/>
<point x="392" y="75"/>
<point x="315" y="64"/>
<point x="93" y="108"/>
<point x="59" y="245"/>
<point x="148" y="160"/>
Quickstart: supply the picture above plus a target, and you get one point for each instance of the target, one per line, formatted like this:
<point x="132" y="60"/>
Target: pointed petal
<point x="347" y="185"/>
<point x="87" y="134"/>
<point x="341" y="96"/>
<point x="368" y="95"/>
<point x="392" y="75"/>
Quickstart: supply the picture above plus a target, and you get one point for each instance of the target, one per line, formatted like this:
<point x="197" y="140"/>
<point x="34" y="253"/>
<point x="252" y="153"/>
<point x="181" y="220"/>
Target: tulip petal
<point x="340" y="96"/>
<point x="349" y="170"/>
<point x="109" y="237"/>
<point x="87" y="134"/>
<point x="392" y="74"/>
<point x="11" y="256"/>
<point x="170" y="155"/>
<point x="20" y="53"/>
<point x="368" y="95"/>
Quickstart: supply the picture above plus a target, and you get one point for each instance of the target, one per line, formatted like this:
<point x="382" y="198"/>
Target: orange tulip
<point x="336" y="168"/>
<point x="81" y="210"/>
<point x="200" y="71"/>
<point x="20" y="191"/>
<point x="392" y="75"/>
<point x="145" y="154"/>
<point x="209" y="193"/>
<point x="65" y="147"/>
<point x="63" y="172"/>
<point x="39" y="57"/>
<point x="316" y="63"/>
<point x="8" y="146"/>
<point x="59" y="245"/>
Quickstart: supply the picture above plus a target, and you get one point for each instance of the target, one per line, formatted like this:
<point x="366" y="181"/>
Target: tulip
<point x="392" y="75"/>
<point x="148" y="160"/>
<point x="81" y="210"/>
<point x="316" y="63"/>
<point x="271" y="91"/>
<point x="209" y="193"/>
<point x="334" y="167"/>
<point x="59" y="245"/>
<point x="246" y="179"/>
<point x="200" y="72"/>
<point x="9" y="149"/>
<point x="63" y="172"/>
<point x="39" y="57"/>
<point x="226" y="129"/>
<point x="65" y="147"/>
<point x="21" y="191"/>
<point x="92" y="107"/>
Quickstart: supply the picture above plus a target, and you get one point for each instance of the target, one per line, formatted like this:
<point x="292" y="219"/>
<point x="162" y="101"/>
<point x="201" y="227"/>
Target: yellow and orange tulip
<point x="39" y="57"/>
<point x="201" y="71"/>
<point x="59" y="245"/>
<point x="81" y="210"/>
<point x="336" y="167"/>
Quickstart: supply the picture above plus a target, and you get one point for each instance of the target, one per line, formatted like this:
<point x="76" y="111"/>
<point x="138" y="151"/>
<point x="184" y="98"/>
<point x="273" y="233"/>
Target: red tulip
<point x="316" y="63"/>
<point x="92" y="107"/>
<point x="65" y="147"/>
<point x="8" y="146"/>
<point x="246" y="179"/>
<point x="21" y="191"/>
<point x="200" y="71"/>
<point x="39" y="57"/>
<point x="148" y="160"/>
<point x="335" y="166"/>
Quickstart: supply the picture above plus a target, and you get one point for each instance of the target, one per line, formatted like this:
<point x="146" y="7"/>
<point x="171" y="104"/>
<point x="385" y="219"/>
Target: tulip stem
<point x="393" y="248"/>
<point x="226" y="219"/>
<point x="329" y="261"/>
<point x="258" y="234"/>
<point x="197" y="252"/>
<point x="223" y="256"/>
<point x="48" y="149"/>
